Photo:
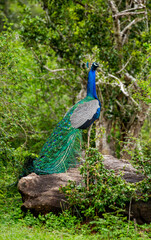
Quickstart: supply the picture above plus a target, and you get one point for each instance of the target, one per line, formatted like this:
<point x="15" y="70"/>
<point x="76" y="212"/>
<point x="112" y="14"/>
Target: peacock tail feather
<point x="62" y="148"/>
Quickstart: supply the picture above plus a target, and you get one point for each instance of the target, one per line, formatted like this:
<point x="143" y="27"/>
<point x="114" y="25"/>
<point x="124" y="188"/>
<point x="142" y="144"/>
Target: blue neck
<point x="91" y="88"/>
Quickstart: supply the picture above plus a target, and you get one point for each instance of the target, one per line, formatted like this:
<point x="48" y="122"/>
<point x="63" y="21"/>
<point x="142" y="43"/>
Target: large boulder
<point x="40" y="193"/>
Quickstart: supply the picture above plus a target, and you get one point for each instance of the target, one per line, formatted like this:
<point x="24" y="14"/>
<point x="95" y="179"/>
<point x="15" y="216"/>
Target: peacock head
<point x="94" y="66"/>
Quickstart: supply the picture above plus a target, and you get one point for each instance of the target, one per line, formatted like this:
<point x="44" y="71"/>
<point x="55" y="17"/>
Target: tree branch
<point x="121" y="14"/>
<point x="114" y="85"/>
<point x="47" y="68"/>
<point x="130" y="25"/>
<point x="24" y="132"/>
<point x="53" y="25"/>
<point x="57" y="70"/>
<point x="118" y="85"/>
<point x="124" y="65"/>
<point x="121" y="85"/>
<point x="133" y="9"/>
<point x="130" y="77"/>
<point x="113" y="7"/>
<point x="81" y="4"/>
<point x="117" y="29"/>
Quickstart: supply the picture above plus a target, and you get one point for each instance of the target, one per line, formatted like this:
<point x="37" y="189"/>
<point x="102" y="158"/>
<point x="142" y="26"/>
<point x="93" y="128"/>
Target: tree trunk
<point x="102" y="132"/>
<point x="134" y="128"/>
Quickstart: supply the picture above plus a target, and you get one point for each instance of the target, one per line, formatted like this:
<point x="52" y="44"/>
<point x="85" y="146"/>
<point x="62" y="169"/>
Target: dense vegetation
<point x="44" y="48"/>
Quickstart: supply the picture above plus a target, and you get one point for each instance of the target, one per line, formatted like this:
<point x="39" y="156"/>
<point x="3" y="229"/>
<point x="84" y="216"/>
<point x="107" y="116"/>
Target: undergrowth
<point x="100" y="191"/>
<point x="15" y="224"/>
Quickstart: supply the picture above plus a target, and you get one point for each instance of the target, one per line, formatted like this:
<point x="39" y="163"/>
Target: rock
<point x="40" y="193"/>
<point x="141" y="211"/>
<point x="130" y="174"/>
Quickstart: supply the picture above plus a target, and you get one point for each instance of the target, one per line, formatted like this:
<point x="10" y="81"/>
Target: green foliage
<point x="101" y="188"/>
<point x="115" y="227"/>
<point x="33" y="29"/>
<point x="31" y="102"/>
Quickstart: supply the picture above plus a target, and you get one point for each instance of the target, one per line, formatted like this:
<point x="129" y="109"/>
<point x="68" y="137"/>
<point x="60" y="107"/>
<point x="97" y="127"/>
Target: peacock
<point x="63" y="146"/>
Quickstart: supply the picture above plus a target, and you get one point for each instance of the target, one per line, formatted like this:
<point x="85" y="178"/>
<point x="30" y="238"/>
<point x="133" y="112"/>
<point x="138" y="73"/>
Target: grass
<point x="19" y="231"/>
<point x="15" y="225"/>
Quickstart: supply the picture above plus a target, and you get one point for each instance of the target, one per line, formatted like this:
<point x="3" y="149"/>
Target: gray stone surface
<point x="40" y="193"/>
<point x="130" y="174"/>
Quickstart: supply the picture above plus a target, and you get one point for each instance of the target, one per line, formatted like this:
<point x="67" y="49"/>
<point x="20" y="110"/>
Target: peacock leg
<point x="89" y="134"/>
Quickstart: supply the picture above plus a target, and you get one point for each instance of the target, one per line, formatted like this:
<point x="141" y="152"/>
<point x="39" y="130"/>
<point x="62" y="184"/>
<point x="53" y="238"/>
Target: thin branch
<point x="120" y="14"/>
<point x="117" y="28"/>
<point x="130" y="25"/>
<point x="47" y="68"/>
<point x="53" y="25"/>
<point x="113" y="7"/>
<point x="113" y="85"/>
<point x="24" y="132"/>
<point x="125" y="65"/>
<point x="35" y="55"/>
<point x="57" y="70"/>
<point x="129" y="214"/>
<point x="121" y="85"/>
<point x="130" y="77"/>
<point x="79" y="2"/>
<point x="135" y="103"/>
<point x="119" y="3"/>
<point x="120" y="105"/>
<point x="132" y="9"/>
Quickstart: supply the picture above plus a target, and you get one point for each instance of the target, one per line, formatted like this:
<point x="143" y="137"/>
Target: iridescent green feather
<point x="62" y="147"/>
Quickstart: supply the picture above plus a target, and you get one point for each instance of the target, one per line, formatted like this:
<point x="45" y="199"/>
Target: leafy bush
<point x="113" y="226"/>
<point x="100" y="190"/>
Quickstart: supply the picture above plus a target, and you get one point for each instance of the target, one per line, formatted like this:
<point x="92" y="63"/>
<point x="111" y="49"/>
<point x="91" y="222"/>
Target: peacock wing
<point x="85" y="114"/>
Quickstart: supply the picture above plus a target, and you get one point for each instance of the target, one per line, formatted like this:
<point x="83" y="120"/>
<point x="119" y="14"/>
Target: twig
<point x="53" y="25"/>
<point x="120" y="84"/>
<point x="47" y="68"/>
<point x="57" y="70"/>
<point x="119" y="3"/>
<point x="120" y="105"/>
<point x="114" y="85"/>
<point x="120" y="14"/>
<point x="132" y="9"/>
<point x="87" y="177"/>
<point x="80" y="3"/>
<point x="135" y="224"/>
<point x="130" y="77"/>
<point x="129" y="214"/>
<point x="113" y="7"/>
<point x="24" y="132"/>
<point x="135" y="103"/>
<point x="125" y="65"/>
<point x="130" y="25"/>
